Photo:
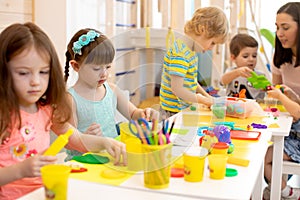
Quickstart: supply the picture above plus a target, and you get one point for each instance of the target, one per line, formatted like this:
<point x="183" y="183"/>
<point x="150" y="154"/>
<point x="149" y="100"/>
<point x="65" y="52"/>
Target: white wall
<point x="50" y="15"/>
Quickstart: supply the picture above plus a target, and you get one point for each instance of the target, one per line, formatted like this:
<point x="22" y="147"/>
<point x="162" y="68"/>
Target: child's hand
<point x="208" y="101"/>
<point x="274" y="93"/>
<point x="31" y="167"/>
<point x="149" y="114"/>
<point x="117" y="150"/>
<point x="290" y="93"/>
<point x="94" y="129"/>
<point x="244" y="72"/>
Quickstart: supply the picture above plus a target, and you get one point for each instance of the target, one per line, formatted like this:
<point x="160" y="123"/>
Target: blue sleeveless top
<point x="101" y="112"/>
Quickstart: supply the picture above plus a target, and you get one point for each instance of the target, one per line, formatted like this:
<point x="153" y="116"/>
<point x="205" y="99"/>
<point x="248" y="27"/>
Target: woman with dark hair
<point x="286" y="72"/>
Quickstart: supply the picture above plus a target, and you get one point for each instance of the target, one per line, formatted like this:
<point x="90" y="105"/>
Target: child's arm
<point x="28" y="168"/>
<point x="93" y="129"/>
<point x="129" y="110"/>
<point x="200" y="90"/>
<point x="291" y="106"/>
<point x="231" y="75"/>
<point x="185" y="94"/>
<point x="91" y="143"/>
<point x="290" y="94"/>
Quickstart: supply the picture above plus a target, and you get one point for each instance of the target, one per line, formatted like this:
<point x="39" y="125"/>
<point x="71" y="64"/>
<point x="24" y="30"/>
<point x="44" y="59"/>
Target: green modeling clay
<point x="91" y="159"/>
<point x="259" y="81"/>
<point x="193" y="108"/>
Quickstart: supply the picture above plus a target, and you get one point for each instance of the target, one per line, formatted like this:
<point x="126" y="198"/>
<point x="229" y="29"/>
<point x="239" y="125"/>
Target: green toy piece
<point x="259" y="81"/>
<point x="193" y="108"/>
<point x="91" y="159"/>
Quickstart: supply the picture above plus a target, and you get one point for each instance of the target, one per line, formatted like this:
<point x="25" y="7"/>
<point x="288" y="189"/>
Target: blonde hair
<point x="209" y="20"/>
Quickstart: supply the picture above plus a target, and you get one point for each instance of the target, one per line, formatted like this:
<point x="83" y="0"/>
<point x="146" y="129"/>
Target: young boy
<point x="179" y="84"/>
<point x="243" y="50"/>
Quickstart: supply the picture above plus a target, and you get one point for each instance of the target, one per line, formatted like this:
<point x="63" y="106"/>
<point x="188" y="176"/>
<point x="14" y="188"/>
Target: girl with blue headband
<point x="95" y="100"/>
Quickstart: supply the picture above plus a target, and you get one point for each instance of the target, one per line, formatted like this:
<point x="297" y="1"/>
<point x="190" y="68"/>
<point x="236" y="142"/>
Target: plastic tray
<point x="244" y="135"/>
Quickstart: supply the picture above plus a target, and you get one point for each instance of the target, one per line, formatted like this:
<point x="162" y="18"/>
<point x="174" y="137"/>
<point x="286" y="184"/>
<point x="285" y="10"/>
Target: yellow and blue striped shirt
<point x="181" y="61"/>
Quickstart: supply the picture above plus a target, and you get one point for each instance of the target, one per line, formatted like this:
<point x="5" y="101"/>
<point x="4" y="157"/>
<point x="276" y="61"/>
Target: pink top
<point x="290" y="75"/>
<point x="32" y="138"/>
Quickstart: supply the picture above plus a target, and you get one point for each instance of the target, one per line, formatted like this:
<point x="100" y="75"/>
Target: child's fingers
<point x="124" y="155"/>
<point x="117" y="152"/>
<point x="147" y="113"/>
<point x="94" y="129"/>
<point x="47" y="158"/>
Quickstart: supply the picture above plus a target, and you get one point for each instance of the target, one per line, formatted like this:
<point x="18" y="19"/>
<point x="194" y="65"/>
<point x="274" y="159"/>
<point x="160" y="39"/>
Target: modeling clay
<point x="259" y="81"/>
<point x="92" y="159"/>
<point x="193" y="108"/>
<point x="259" y="126"/>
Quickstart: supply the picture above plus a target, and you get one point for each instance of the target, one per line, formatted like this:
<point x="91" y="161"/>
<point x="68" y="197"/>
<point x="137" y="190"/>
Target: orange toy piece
<point x="242" y="93"/>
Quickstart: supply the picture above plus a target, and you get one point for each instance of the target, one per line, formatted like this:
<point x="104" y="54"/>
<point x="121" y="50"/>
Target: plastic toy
<point x="280" y="87"/>
<point x="219" y="133"/>
<point x="259" y="81"/>
<point x="242" y="93"/>
<point x="212" y="91"/>
<point x="238" y="161"/>
<point x="207" y="140"/>
<point x="59" y="144"/>
<point x="222" y="133"/>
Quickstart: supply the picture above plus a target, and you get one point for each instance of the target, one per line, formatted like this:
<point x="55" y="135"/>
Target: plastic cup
<point x="219" y="101"/>
<point x="157" y="165"/>
<point x="219" y="113"/>
<point x="134" y="155"/>
<point x="133" y="148"/>
<point x="219" y="148"/>
<point x="194" y="162"/>
<point x="55" y="180"/>
<point x="270" y="103"/>
<point x="217" y="165"/>
<point x="125" y="133"/>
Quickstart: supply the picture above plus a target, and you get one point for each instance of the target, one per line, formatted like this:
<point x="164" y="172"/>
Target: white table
<point x="79" y="190"/>
<point x="247" y="184"/>
<point x="278" y="134"/>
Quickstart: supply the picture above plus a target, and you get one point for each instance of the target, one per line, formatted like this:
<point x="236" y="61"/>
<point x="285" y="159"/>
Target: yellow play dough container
<point x="133" y="148"/>
<point x="219" y="148"/>
<point x="55" y="180"/>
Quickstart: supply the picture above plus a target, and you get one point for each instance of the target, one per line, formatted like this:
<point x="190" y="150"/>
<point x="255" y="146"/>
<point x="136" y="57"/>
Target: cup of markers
<point x="157" y="152"/>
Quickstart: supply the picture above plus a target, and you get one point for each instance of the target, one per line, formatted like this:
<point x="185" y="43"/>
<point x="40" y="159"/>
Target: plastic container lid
<point x="230" y="172"/>
<point x="220" y="145"/>
<point x="177" y="172"/>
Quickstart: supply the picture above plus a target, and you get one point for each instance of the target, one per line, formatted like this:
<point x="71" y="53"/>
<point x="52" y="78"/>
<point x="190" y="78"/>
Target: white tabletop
<point x="79" y="190"/>
<point x="230" y="188"/>
<point x="243" y="186"/>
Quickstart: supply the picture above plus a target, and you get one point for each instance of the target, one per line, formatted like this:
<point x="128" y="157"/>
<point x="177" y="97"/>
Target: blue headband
<point x="84" y="40"/>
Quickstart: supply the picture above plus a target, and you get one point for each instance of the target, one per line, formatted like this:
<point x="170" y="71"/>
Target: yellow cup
<point x="55" y="180"/>
<point x="217" y="165"/>
<point x="219" y="148"/>
<point x="157" y="165"/>
<point x="133" y="148"/>
<point x="194" y="162"/>
<point x="134" y="155"/>
<point x="125" y="132"/>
